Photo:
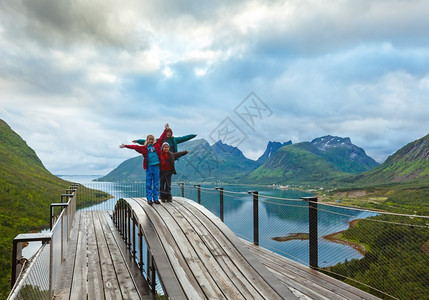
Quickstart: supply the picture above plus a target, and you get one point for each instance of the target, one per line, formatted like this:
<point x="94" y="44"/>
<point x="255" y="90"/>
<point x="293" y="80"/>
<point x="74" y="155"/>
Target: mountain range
<point x="323" y="160"/>
<point x="328" y="160"/>
<point x="320" y="160"/>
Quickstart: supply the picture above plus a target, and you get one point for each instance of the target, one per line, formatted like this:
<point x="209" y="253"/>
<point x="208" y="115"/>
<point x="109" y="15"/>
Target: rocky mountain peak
<point x="226" y="150"/>
<point x="327" y="142"/>
<point x="271" y="148"/>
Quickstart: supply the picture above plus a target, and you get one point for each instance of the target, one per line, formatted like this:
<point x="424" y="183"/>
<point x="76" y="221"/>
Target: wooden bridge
<point x="182" y="251"/>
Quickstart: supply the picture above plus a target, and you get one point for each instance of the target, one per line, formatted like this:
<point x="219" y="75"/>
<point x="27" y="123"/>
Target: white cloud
<point x="79" y="78"/>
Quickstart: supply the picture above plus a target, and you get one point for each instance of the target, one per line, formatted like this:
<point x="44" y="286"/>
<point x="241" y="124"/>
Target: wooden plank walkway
<point x="196" y="256"/>
<point x="207" y="257"/>
<point x="98" y="265"/>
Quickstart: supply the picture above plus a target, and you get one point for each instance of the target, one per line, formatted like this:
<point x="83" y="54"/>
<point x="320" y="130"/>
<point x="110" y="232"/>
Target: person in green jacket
<point x="171" y="140"/>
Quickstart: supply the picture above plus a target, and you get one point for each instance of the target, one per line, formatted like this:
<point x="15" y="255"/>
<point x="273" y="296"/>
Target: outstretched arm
<point x="176" y="155"/>
<point x="184" y="138"/>
<point x="135" y="147"/>
<point x="163" y="136"/>
<point x="140" y="141"/>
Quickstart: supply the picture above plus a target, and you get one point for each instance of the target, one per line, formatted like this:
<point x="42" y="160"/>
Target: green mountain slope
<point x="26" y="191"/>
<point x="342" y="153"/>
<point x="408" y="164"/>
<point x="296" y="163"/>
<point x="129" y="170"/>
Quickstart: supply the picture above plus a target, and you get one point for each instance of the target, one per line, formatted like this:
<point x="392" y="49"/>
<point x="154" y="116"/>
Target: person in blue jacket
<point x="171" y="140"/>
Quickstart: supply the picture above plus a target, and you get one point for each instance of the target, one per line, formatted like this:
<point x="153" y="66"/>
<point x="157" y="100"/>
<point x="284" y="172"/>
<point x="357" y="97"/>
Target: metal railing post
<point x="255" y="217"/>
<point x="65" y="196"/>
<point x="198" y="192"/>
<point x="140" y="249"/>
<point x="128" y="242"/>
<point x="151" y="271"/>
<point x="312" y="225"/>
<point x="221" y="201"/>
<point x="183" y="188"/>
<point x="51" y="215"/>
<point x="134" y="237"/>
<point x="17" y="250"/>
<point x="16" y="257"/>
<point x="121" y="218"/>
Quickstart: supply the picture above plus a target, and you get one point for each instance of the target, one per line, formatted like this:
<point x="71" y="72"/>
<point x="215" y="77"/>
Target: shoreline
<point x="334" y="237"/>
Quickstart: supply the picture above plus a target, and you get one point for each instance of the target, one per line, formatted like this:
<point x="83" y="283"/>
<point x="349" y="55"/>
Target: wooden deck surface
<point x="98" y="266"/>
<point x="209" y="260"/>
<point x="196" y="255"/>
<point x="304" y="281"/>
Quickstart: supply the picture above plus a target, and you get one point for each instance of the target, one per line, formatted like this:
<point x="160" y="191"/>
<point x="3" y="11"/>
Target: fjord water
<point x="281" y="212"/>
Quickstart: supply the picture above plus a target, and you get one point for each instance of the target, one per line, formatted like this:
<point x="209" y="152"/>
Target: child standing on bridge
<point x="167" y="170"/>
<point x="151" y="152"/>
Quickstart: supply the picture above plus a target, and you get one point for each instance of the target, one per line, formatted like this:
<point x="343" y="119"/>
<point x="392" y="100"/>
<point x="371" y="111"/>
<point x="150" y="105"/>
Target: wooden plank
<point x="126" y="282"/>
<point x="210" y="288"/>
<point x="180" y="266"/>
<point x="301" y="284"/>
<point x="139" y="281"/>
<point x="306" y="283"/>
<point x="187" y="237"/>
<point x="259" y="284"/>
<point x="78" y="289"/>
<point x="164" y="263"/>
<point x="276" y="290"/>
<point x="313" y="279"/>
<point x="64" y="282"/>
<point x="110" y="282"/>
<point x="235" y="276"/>
<point x="95" y="287"/>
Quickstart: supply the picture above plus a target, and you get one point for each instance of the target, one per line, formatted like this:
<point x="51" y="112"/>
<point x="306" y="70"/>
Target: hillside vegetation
<point x="396" y="261"/>
<point x="400" y="184"/>
<point x="322" y="161"/>
<point x="410" y="163"/>
<point x="26" y="191"/>
<point x="294" y="164"/>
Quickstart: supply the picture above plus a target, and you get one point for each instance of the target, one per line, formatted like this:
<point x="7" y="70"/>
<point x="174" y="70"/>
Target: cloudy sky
<point x="78" y="77"/>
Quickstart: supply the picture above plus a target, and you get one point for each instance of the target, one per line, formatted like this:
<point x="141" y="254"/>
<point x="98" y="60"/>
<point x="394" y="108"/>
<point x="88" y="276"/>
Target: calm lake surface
<point x="277" y="217"/>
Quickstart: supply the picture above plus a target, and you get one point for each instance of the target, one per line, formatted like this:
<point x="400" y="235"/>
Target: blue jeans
<point x="152" y="182"/>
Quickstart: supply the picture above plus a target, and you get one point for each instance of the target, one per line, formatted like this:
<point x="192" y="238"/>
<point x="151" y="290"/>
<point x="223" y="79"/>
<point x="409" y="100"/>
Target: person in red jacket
<point x="167" y="170"/>
<point x="151" y="152"/>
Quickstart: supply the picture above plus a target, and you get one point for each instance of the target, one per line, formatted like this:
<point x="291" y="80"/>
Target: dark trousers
<point x="165" y="185"/>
